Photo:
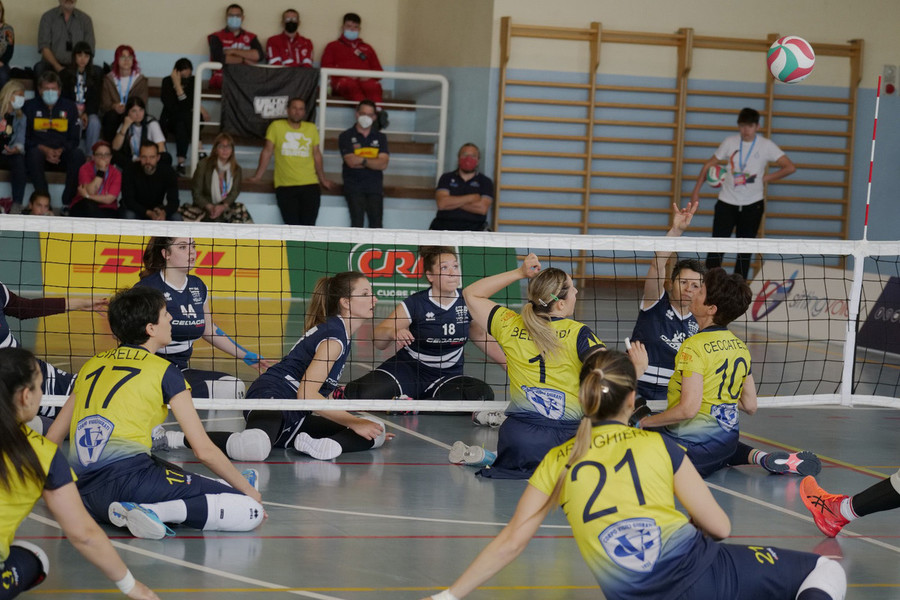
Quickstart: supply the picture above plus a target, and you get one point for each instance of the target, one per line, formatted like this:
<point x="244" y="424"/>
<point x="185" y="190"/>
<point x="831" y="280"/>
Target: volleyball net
<point x="822" y="326"/>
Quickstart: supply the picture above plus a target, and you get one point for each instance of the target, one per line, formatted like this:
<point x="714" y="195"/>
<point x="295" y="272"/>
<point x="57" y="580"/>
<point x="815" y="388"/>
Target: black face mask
<point x="291" y="26"/>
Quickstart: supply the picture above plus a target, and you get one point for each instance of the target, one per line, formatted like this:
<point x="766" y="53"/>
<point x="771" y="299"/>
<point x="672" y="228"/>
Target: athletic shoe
<point x="319" y="448"/>
<point x="166" y="440"/>
<point x="474" y="456"/>
<point x="141" y="522"/>
<point x="825" y="507"/>
<point x="252" y="477"/>
<point x="799" y="463"/>
<point x="488" y="418"/>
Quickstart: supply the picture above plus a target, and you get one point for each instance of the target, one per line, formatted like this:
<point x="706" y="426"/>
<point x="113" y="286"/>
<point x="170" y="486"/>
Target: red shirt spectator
<point x="233" y="45"/>
<point x="350" y="52"/>
<point x="99" y="185"/>
<point x="289" y="48"/>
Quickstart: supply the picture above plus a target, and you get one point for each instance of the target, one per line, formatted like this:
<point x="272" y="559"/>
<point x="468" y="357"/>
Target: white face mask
<point x="365" y="121"/>
<point x="18" y="102"/>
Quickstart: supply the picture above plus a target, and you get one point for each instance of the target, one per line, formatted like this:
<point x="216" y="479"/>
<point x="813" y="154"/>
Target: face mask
<point x="18" y="102"/>
<point x="365" y="121"/>
<point x="351" y="34"/>
<point x="468" y="163"/>
<point x="50" y="97"/>
<point x="291" y="26"/>
<point x="234" y="22"/>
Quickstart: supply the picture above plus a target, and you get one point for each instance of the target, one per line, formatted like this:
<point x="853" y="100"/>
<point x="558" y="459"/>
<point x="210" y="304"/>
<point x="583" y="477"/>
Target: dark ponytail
<point x="327" y="295"/>
<point x="18" y="368"/>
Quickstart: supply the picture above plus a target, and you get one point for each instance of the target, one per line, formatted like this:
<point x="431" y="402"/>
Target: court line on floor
<point x="183" y="563"/>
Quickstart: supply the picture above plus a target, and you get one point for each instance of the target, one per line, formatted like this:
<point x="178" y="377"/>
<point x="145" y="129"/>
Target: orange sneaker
<point x="825" y="507"/>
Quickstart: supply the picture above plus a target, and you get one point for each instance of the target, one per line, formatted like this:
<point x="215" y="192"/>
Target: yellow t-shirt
<point x="294" y="162"/>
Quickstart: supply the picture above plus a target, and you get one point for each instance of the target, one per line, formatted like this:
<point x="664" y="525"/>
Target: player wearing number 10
<point x="118" y="398"/>
<point x="712" y="382"/>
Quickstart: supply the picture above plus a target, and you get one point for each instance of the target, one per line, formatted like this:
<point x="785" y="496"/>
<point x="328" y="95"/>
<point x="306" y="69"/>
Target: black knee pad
<point x="464" y="388"/>
<point x="374" y="385"/>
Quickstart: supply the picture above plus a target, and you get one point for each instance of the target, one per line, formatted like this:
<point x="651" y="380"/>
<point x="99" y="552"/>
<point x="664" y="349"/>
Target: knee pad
<point x="828" y="576"/>
<point x="250" y="444"/>
<point x="41" y="556"/>
<point x="463" y="388"/>
<point x="232" y="512"/>
<point x="374" y="385"/>
<point x="379" y="441"/>
<point x="895" y="481"/>
<point x="226" y="388"/>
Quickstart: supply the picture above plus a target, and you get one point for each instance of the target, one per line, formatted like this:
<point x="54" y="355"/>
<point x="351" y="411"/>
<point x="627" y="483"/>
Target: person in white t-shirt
<point x="741" y="199"/>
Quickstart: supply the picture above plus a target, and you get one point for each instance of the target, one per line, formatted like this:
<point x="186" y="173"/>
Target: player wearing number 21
<point x="712" y="382"/>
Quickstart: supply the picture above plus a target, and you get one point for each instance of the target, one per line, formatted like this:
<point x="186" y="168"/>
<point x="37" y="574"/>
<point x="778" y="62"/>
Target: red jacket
<point x="344" y="54"/>
<point x="287" y="52"/>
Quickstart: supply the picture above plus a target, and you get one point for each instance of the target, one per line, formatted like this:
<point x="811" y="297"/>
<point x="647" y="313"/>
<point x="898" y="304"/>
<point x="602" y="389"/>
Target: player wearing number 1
<point x="712" y="382"/>
<point x="119" y="397"/>
<point x="617" y="486"/>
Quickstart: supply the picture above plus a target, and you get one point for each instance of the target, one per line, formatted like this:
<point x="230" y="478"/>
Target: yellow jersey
<point x="548" y="387"/>
<point x="120" y="396"/>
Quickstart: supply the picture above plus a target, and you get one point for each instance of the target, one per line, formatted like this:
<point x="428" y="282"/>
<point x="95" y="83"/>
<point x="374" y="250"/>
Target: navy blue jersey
<point x="369" y="181"/>
<point x="286" y="375"/>
<point x="440" y="333"/>
<point x="662" y="330"/>
<point x="7" y="339"/>
<point x="188" y="317"/>
<point x="480" y="184"/>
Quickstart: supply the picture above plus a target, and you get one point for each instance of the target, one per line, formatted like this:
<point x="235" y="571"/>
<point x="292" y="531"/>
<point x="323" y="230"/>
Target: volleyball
<point x="715" y="176"/>
<point x="791" y="59"/>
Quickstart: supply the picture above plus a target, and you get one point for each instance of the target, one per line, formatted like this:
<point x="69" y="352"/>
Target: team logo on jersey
<point x="633" y="544"/>
<point x="91" y="436"/>
<point x="462" y="314"/>
<point x="195" y="294"/>
<point x="675" y="342"/>
<point x="167" y="296"/>
<point x="670" y="314"/>
<point x="726" y="415"/>
<point x="548" y="402"/>
<point x="429" y="316"/>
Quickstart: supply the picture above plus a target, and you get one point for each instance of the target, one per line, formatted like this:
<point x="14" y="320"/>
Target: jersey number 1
<point x="130" y="372"/>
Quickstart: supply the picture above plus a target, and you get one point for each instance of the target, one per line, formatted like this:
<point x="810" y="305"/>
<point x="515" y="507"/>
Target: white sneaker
<point x="489" y="418"/>
<point x="319" y="448"/>
<point x="141" y="522"/>
<point x="166" y="440"/>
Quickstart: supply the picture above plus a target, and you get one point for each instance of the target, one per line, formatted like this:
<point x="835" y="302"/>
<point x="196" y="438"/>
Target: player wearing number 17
<point x="119" y="397"/>
<point x="712" y="382"/>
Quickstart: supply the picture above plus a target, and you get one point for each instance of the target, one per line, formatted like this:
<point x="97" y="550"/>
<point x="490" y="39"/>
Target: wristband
<point x="100" y="174"/>
<point x="126" y="584"/>
<point x="251" y="358"/>
<point x="445" y="595"/>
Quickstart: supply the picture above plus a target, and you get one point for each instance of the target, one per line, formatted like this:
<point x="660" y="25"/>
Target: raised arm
<point x="478" y="294"/>
<point x="701" y="177"/>
<point x="219" y="339"/>
<point x="656" y="275"/>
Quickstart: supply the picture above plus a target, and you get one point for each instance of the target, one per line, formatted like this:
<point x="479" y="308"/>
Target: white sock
<point x="847" y="510"/>
<point x="171" y="511"/>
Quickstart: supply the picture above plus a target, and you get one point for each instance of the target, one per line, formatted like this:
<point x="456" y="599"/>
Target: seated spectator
<point x="82" y="83"/>
<point x="137" y="127"/>
<point x="233" y="45"/>
<point x="51" y="136"/>
<point x="464" y="196"/>
<point x="289" y="48"/>
<point x="99" y="184"/>
<point x="38" y="204"/>
<point x="12" y="139"/>
<point x="124" y="81"/>
<point x="7" y="46"/>
<point x="216" y="186"/>
<point x="350" y="52"/>
<point x="150" y="188"/>
<point x="177" y="95"/>
<point x="60" y="29"/>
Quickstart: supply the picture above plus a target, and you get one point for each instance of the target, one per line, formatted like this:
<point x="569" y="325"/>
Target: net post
<point x="849" y="351"/>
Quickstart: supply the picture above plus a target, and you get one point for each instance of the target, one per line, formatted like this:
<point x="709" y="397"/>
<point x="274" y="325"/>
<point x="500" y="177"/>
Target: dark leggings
<point x="272" y="422"/>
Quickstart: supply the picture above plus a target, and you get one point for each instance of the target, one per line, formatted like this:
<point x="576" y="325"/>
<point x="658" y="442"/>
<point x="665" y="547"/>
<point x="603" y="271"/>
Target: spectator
<point x="177" y="96"/>
<point x="216" y="185"/>
<point x="233" y="45"/>
<point x="464" y="196"/>
<point x="7" y="46"/>
<point x="366" y="156"/>
<point x="289" y="48"/>
<point x="741" y="203"/>
<point x="137" y="127"/>
<point x="99" y="185"/>
<point x="124" y="81"/>
<point x="51" y="136"/>
<point x="298" y="165"/>
<point x="60" y="29"/>
<point x="350" y="52"/>
<point x="82" y="83"/>
<point x="38" y="204"/>
<point x="12" y="139"/>
<point x="150" y="188"/>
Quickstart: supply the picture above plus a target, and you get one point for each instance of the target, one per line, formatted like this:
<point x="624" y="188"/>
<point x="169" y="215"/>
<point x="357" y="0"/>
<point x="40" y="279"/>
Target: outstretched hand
<point x="531" y="266"/>
<point x="681" y="217"/>
<point x="638" y="355"/>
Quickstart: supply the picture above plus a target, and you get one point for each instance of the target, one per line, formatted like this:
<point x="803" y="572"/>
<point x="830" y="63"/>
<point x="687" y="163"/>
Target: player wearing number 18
<point x="712" y="382"/>
<point x="617" y="486"/>
<point x="119" y="397"/>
